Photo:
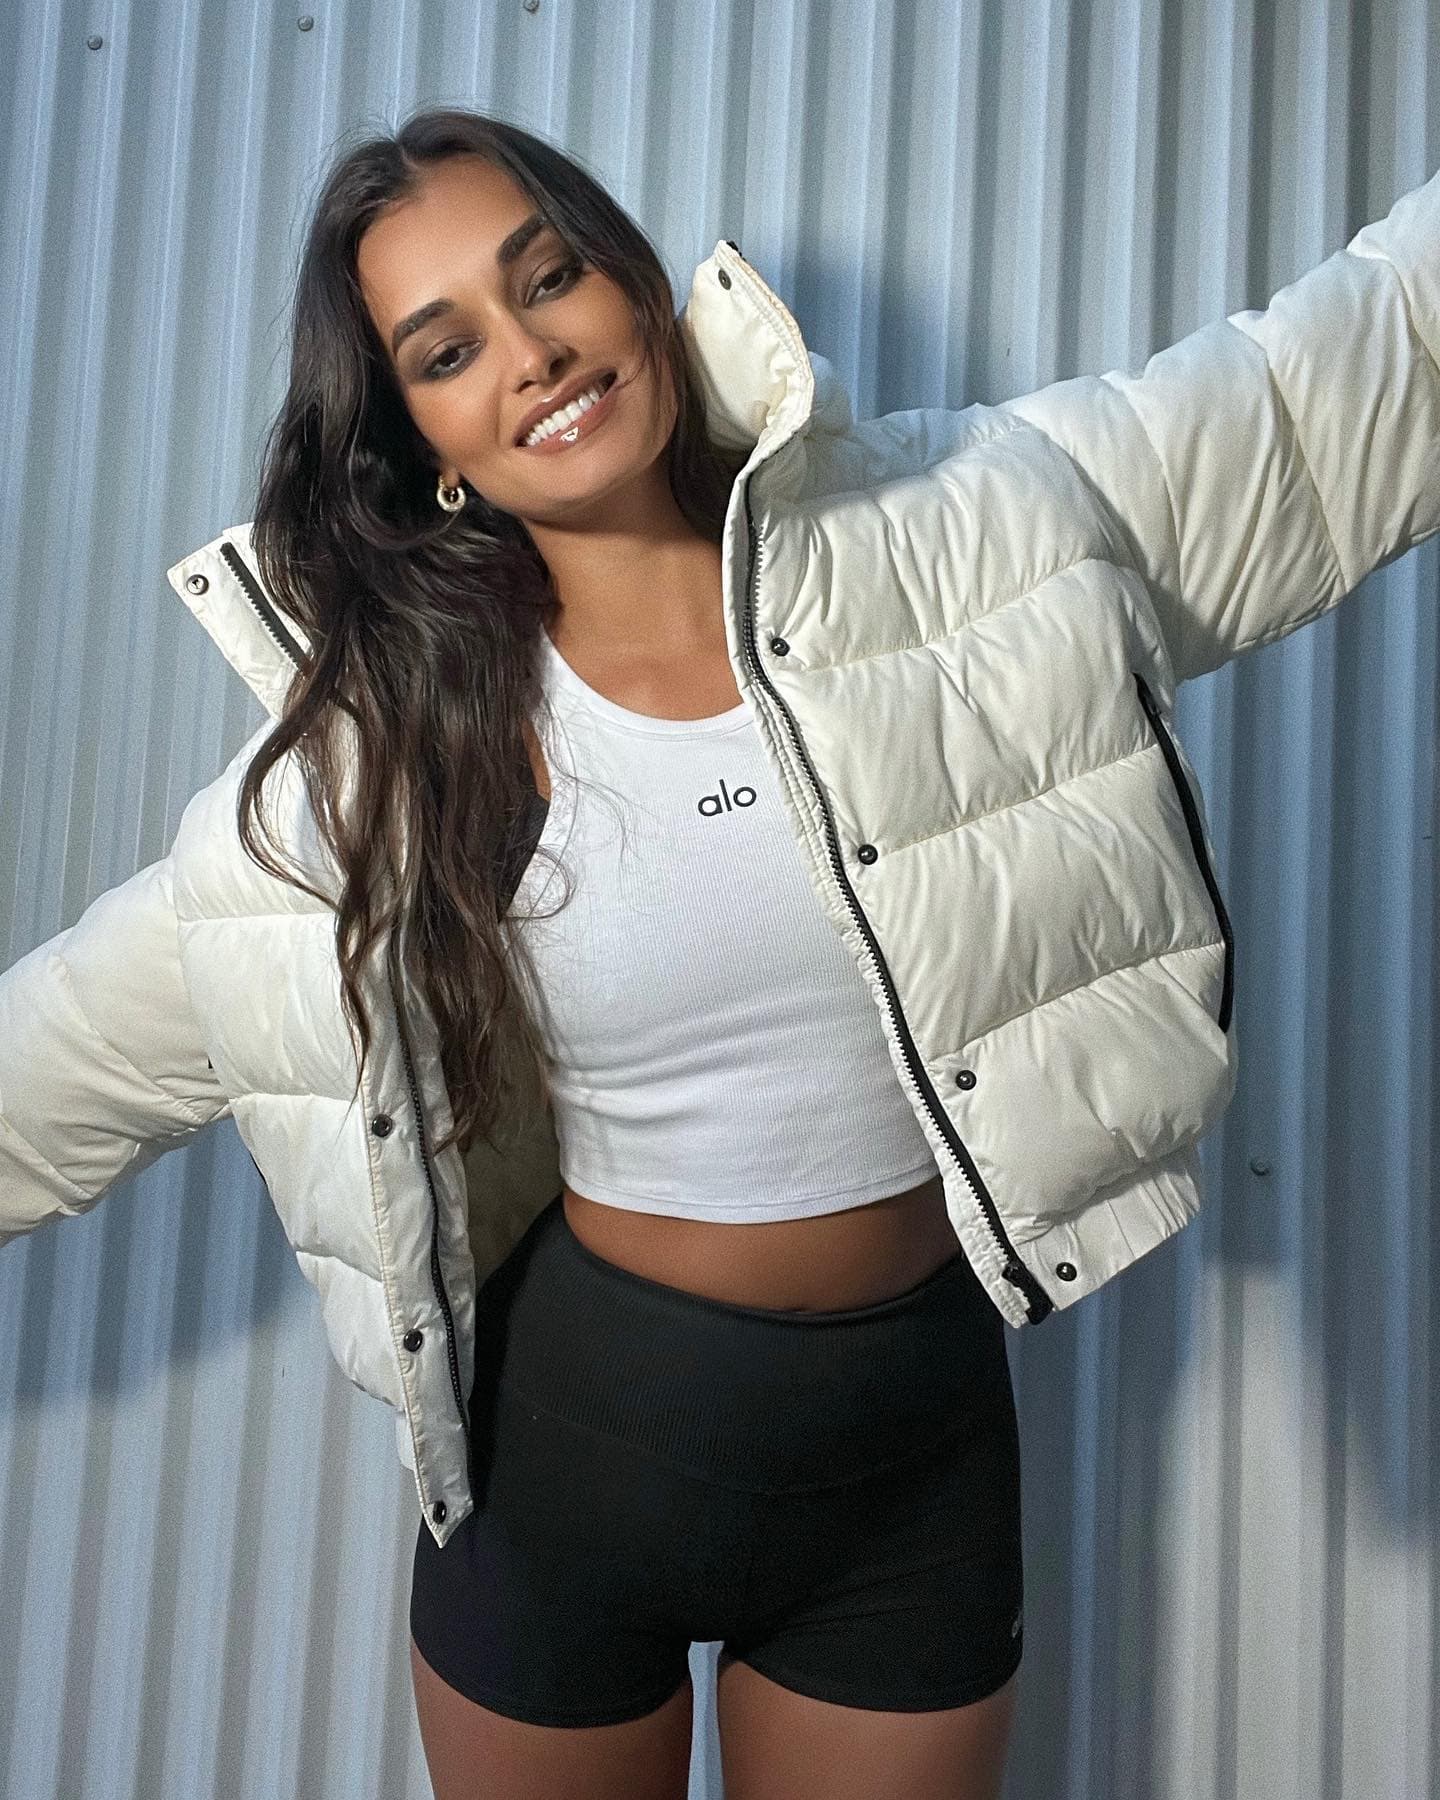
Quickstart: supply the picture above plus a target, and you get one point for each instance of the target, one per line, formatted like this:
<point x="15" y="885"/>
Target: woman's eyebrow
<point x="510" y="248"/>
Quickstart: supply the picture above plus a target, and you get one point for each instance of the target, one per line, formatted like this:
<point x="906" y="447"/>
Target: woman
<point x="890" y="992"/>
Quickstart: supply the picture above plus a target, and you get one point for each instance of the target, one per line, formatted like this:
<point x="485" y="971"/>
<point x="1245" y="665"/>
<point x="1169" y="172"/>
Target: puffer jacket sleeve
<point x="1265" y="464"/>
<point x="102" y="1066"/>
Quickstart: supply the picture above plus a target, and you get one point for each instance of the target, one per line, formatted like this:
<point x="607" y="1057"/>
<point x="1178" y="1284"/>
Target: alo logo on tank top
<point x="710" y="806"/>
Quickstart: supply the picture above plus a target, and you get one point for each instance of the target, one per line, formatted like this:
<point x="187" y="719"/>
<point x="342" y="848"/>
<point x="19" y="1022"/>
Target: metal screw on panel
<point x="1259" y="1166"/>
<point x="531" y="5"/>
<point x="305" y="22"/>
<point x="93" y="42"/>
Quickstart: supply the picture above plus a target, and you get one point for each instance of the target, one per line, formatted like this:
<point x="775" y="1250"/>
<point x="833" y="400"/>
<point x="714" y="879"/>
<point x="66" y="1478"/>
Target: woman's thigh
<point x="472" y="1752"/>
<point x="779" y="1745"/>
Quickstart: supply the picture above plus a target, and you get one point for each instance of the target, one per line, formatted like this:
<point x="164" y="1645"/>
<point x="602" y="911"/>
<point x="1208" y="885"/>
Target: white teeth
<point x="557" y="421"/>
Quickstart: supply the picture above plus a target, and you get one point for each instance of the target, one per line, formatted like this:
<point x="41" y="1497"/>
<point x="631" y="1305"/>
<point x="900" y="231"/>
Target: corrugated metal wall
<point x="1230" y="1450"/>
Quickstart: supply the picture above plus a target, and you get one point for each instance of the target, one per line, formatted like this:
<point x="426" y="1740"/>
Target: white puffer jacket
<point x="961" y="634"/>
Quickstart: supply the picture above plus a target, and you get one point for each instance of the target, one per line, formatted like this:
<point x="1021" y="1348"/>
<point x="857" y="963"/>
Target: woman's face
<point x="505" y="338"/>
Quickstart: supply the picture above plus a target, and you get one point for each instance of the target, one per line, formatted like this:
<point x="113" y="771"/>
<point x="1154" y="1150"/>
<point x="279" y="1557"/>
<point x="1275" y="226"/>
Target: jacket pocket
<point x="1197" y="842"/>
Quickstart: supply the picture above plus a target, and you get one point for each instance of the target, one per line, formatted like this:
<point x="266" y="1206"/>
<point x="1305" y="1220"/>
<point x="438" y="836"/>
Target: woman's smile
<point x="581" y="428"/>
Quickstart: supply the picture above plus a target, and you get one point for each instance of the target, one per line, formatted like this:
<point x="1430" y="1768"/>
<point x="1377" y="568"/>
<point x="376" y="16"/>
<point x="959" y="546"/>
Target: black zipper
<point x="1038" y="1303"/>
<point x="256" y="595"/>
<point x="1197" y="842"/>
<point x="272" y="622"/>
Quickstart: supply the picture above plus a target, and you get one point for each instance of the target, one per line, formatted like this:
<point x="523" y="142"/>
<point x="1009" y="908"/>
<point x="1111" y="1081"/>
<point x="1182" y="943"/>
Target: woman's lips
<point x="578" y="429"/>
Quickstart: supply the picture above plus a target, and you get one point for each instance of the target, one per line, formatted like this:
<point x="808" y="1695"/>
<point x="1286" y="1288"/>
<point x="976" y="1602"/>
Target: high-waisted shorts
<point x="833" y="1496"/>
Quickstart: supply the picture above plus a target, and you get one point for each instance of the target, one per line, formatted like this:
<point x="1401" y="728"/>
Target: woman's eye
<point x="437" y="367"/>
<point x="564" y="271"/>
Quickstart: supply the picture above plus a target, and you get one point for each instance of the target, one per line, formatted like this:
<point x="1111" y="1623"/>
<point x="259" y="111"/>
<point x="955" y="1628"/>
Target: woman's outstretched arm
<point x="102" y="1068"/>
<point x="1264" y="465"/>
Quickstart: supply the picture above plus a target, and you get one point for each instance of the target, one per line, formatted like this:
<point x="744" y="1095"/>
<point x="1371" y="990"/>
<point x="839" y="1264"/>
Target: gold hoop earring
<point x="451" y="498"/>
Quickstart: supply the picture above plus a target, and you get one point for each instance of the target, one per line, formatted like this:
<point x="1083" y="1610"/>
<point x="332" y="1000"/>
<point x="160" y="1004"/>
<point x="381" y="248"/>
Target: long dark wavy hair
<point x="424" y="626"/>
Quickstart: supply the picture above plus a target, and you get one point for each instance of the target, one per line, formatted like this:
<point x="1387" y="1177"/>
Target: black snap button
<point x="382" y="1124"/>
<point x="779" y="646"/>
<point x="868" y="853"/>
<point x="437" y="1512"/>
<point x="1066" y="1271"/>
<point x="965" y="1079"/>
<point x="197" y="584"/>
<point x="724" y="279"/>
<point x="413" y="1339"/>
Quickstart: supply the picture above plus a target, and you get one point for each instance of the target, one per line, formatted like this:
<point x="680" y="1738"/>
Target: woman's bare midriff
<point x="842" y="1259"/>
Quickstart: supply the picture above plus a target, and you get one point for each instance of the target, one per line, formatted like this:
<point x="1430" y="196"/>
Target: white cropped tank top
<point x="714" y="1051"/>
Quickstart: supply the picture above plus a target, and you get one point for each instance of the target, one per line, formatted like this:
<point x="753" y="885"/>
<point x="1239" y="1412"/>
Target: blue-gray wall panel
<point x="1231" y="1478"/>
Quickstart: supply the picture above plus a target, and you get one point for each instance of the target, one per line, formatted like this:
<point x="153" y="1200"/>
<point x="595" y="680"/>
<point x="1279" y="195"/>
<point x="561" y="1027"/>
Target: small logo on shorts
<point x="1015" y="1623"/>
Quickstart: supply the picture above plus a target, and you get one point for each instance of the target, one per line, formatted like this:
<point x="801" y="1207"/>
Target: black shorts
<point x="835" y="1496"/>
